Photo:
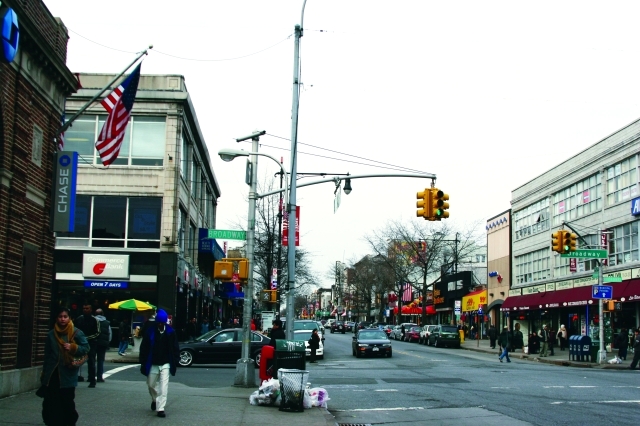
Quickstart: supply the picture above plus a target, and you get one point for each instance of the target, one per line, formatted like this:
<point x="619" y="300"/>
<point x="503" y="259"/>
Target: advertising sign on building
<point x="105" y="266"/>
<point x="65" y="174"/>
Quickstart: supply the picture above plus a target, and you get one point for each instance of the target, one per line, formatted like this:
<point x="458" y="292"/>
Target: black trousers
<point x="313" y="355"/>
<point x="91" y="362"/>
<point x="636" y="358"/>
<point x="58" y="406"/>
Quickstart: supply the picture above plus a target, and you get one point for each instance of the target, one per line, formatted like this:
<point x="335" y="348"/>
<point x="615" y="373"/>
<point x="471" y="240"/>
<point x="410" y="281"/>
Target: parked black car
<point x="371" y="341"/>
<point x="444" y="335"/>
<point x="220" y="347"/>
<point x="338" y="327"/>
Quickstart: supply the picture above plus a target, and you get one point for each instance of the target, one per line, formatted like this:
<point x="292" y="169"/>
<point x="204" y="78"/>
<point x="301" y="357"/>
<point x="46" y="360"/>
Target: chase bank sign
<point x="635" y="206"/>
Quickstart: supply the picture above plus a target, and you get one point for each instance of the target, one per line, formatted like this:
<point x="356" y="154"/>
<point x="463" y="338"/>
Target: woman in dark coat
<point x="59" y="377"/>
<point x="534" y="343"/>
<point x="314" y="343"/>
<point x="622" y="343"/>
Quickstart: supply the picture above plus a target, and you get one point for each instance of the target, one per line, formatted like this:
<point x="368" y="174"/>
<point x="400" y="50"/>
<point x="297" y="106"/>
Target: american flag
<point x="407" y="295"/>
<point x="61" y="136"/>
<point x="112" y="133"/>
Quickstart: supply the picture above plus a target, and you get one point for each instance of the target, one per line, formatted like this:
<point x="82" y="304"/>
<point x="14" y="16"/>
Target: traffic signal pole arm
<point x="580" y="237"/>
<point x="316" y="182"/>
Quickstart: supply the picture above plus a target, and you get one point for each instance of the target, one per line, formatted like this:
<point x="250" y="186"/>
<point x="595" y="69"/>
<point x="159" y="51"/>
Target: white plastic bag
<point x="307" y="399"/>
<point x="525" y="349"/>
<point x="615" y="360"/>
<point x="319" y="397"/>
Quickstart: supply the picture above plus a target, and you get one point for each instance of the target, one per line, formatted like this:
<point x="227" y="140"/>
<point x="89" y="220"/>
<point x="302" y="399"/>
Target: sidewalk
<point x="559" y="357"/>
<point x="117" y="402"/>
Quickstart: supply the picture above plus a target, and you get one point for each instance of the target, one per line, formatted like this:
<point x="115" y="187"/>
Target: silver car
<point x="424" y="333"/>
<point x="396" y="333"/>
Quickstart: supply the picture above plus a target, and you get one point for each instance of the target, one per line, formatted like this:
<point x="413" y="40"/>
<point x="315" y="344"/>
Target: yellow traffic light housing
<point x="573" y="242"/>
<point x="439" y="204"/>
<point x="556" y="242"/>
<point x="423" y="203"/>
<point x="243" y="269"/>
<point x="223" y="270"/>
<point x="566" y="241"/>
<point x="269" y="296"/>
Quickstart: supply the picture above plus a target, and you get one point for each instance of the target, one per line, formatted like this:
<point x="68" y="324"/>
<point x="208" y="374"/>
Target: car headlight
<point x="362" y="345"/>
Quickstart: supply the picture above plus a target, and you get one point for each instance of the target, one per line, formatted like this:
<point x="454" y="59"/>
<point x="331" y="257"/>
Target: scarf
<point x="66" y="335"/>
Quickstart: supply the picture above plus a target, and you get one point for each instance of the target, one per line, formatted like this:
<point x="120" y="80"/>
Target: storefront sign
<point x="585" y="281"/>
<point x="534" y="289"/>
<point x="9" y="41"/>
<point x="473" y="301"/>
<point x="64" y="191"/>
<point x="105" y="266"/>
<point x="515" y="292"/>
<point x="106" y="284"/>
<point x="550" y="287"/>
<point x="635" y="206"/>
<point x="564" y="285"/>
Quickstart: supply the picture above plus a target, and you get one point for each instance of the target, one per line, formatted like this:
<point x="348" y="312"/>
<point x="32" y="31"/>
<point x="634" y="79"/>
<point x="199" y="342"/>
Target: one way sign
<point x="602" y="292"/>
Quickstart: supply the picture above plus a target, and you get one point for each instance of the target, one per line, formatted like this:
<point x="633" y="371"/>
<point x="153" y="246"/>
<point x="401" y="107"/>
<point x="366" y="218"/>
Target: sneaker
<point x="100" y="380"/>
<point x="80" y="379"/>
<point x="153" y="406"/>
<point x="161" y="414"/>
<point x="500" y="359"/>
<point x="120" y="353"/>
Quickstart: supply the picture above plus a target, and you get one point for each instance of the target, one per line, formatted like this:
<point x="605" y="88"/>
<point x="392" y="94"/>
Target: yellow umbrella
<point x="132" y="305"/>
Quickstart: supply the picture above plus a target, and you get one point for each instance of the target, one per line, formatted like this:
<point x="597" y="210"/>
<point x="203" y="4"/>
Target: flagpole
<point x="88" y="104"/>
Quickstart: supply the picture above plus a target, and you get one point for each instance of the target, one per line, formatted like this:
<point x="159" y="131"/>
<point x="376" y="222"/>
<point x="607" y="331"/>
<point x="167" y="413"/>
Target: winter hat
<point x="161" y="316"/>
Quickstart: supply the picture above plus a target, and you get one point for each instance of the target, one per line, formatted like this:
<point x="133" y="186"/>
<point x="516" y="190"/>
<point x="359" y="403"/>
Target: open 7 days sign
<point x="105" y="266"/>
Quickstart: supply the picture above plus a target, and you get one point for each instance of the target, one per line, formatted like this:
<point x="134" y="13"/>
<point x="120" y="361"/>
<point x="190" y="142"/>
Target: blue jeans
<point x="505" y="353"/>
<point x="124" y="344"/>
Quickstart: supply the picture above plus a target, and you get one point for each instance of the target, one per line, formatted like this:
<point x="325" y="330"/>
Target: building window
<point x="193" y="242"/>
<point x="143" y="143"/>
<point x="622" y="181"/>
<point x="182" y="224"/>
<point x="532" y="219"/>
<point x="623" y="245"/>
<point x="195" y="176"/>
<point x="532" y="266"/>
<point x="184" y="157"/>
<point x="103" y="221"/>
<point x="580" y="199"/>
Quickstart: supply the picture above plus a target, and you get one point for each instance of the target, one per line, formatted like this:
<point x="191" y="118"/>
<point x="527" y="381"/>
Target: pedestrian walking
<point x="505" y="342"/>
<point x="314" y="343"/>
<point x="125" y="335"/>
<point x="59" y="376"/>
<point x="544" y="341"/>
<point x="103" y="341"/>
<point x="562" y="336"/>
<point x="622" y="343"/>
<point x="493" y="335"/>
<point x="402" y="331"/>
<point x="159" y="354"/>
<point x="636" y="349"/>
<point x="90" y="326"/>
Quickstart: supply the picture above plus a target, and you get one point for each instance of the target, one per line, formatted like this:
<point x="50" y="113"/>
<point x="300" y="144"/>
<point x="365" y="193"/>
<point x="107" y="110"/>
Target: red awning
<point x="625" y="291"/>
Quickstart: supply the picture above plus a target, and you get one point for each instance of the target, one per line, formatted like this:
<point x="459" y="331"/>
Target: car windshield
<point x="372" y="335"/>
<point x="416" y="329"/>
<point x="305" y="325"/>
<point x="449" y="330"/>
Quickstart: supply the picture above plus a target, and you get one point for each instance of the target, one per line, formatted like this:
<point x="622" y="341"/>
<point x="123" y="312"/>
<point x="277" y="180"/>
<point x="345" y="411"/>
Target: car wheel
<point x="353" y="352"/>
<point x="358" y="354"/>
<point x="389" y="354"/>
<point x="320" y="356"/>
<point x="257" y="358"/>
<point x="186" y="358"/>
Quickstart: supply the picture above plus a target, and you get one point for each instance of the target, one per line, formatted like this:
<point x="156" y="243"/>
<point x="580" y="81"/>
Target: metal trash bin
<point x="292" y="386"/>
<point x="289" y="354"/>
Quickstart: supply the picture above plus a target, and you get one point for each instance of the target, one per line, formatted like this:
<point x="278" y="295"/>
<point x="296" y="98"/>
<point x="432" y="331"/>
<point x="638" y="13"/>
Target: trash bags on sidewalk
<point x="269" y="393"/>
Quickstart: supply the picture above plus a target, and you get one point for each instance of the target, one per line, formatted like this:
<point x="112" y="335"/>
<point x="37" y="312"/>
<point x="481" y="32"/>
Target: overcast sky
<point x="486" y="95"/>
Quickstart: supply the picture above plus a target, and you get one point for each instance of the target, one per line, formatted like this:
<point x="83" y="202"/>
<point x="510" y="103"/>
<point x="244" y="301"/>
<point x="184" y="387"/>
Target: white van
<point x="329" y="322"/>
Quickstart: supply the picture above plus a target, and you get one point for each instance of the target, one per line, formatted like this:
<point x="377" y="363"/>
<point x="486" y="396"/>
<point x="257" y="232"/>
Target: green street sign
<point x="612" y="279"/>
<point x="587" y="254"/>
<point x="227" y="235"/>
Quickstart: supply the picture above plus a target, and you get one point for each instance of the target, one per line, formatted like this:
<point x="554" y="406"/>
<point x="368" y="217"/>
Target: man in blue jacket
<point x="159" y="354"/>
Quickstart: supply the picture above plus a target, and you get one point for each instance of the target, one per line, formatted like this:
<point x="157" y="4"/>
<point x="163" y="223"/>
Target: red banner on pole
<point x="285" y="228"/>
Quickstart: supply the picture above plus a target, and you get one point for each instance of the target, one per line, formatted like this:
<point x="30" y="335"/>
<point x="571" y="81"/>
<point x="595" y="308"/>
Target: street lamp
<point x="245" y="369"/>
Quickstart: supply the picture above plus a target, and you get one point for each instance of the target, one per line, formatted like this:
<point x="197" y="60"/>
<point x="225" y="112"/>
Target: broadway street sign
<point x="227" y="235"/>
<point x="587" y="253"/>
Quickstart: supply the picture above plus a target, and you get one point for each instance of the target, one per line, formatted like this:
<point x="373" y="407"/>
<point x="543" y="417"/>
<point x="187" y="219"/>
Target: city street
<point x="449" y="386"/>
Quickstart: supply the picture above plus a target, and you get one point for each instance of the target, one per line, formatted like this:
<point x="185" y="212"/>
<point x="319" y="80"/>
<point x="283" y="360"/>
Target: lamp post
<point x="245" y="369"/>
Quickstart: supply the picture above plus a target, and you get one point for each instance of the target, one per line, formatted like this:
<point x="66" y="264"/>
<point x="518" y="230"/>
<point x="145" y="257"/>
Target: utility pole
<point x="602" y="354"/>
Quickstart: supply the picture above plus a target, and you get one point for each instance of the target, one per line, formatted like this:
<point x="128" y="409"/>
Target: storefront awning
<point x="473" y="300"/>
<point x="579" y="296"/>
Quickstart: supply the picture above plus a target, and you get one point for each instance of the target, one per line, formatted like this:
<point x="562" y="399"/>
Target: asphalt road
<point x="447" y="386"/>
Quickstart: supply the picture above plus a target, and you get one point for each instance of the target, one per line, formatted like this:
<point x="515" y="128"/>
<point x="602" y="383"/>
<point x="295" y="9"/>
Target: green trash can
<point x="595" y="347"/>
<point x="289" y="354"/>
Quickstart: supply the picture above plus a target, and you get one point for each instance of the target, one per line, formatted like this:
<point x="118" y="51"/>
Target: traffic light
<point x="573" y="243"/>
<point x="439" y="204"/>
<point x="269" y="295"/>
<point x="566" y="241"/>
<point x="556" y="242"/>
<point x="423" y="203"/>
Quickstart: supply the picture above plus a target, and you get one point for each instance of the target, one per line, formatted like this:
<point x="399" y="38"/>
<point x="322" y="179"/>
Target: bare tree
<point x="417" y="252"/>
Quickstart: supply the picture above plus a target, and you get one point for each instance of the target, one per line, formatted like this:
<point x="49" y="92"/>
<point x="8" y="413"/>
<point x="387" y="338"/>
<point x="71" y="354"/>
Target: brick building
<point x="34" y="82"/>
